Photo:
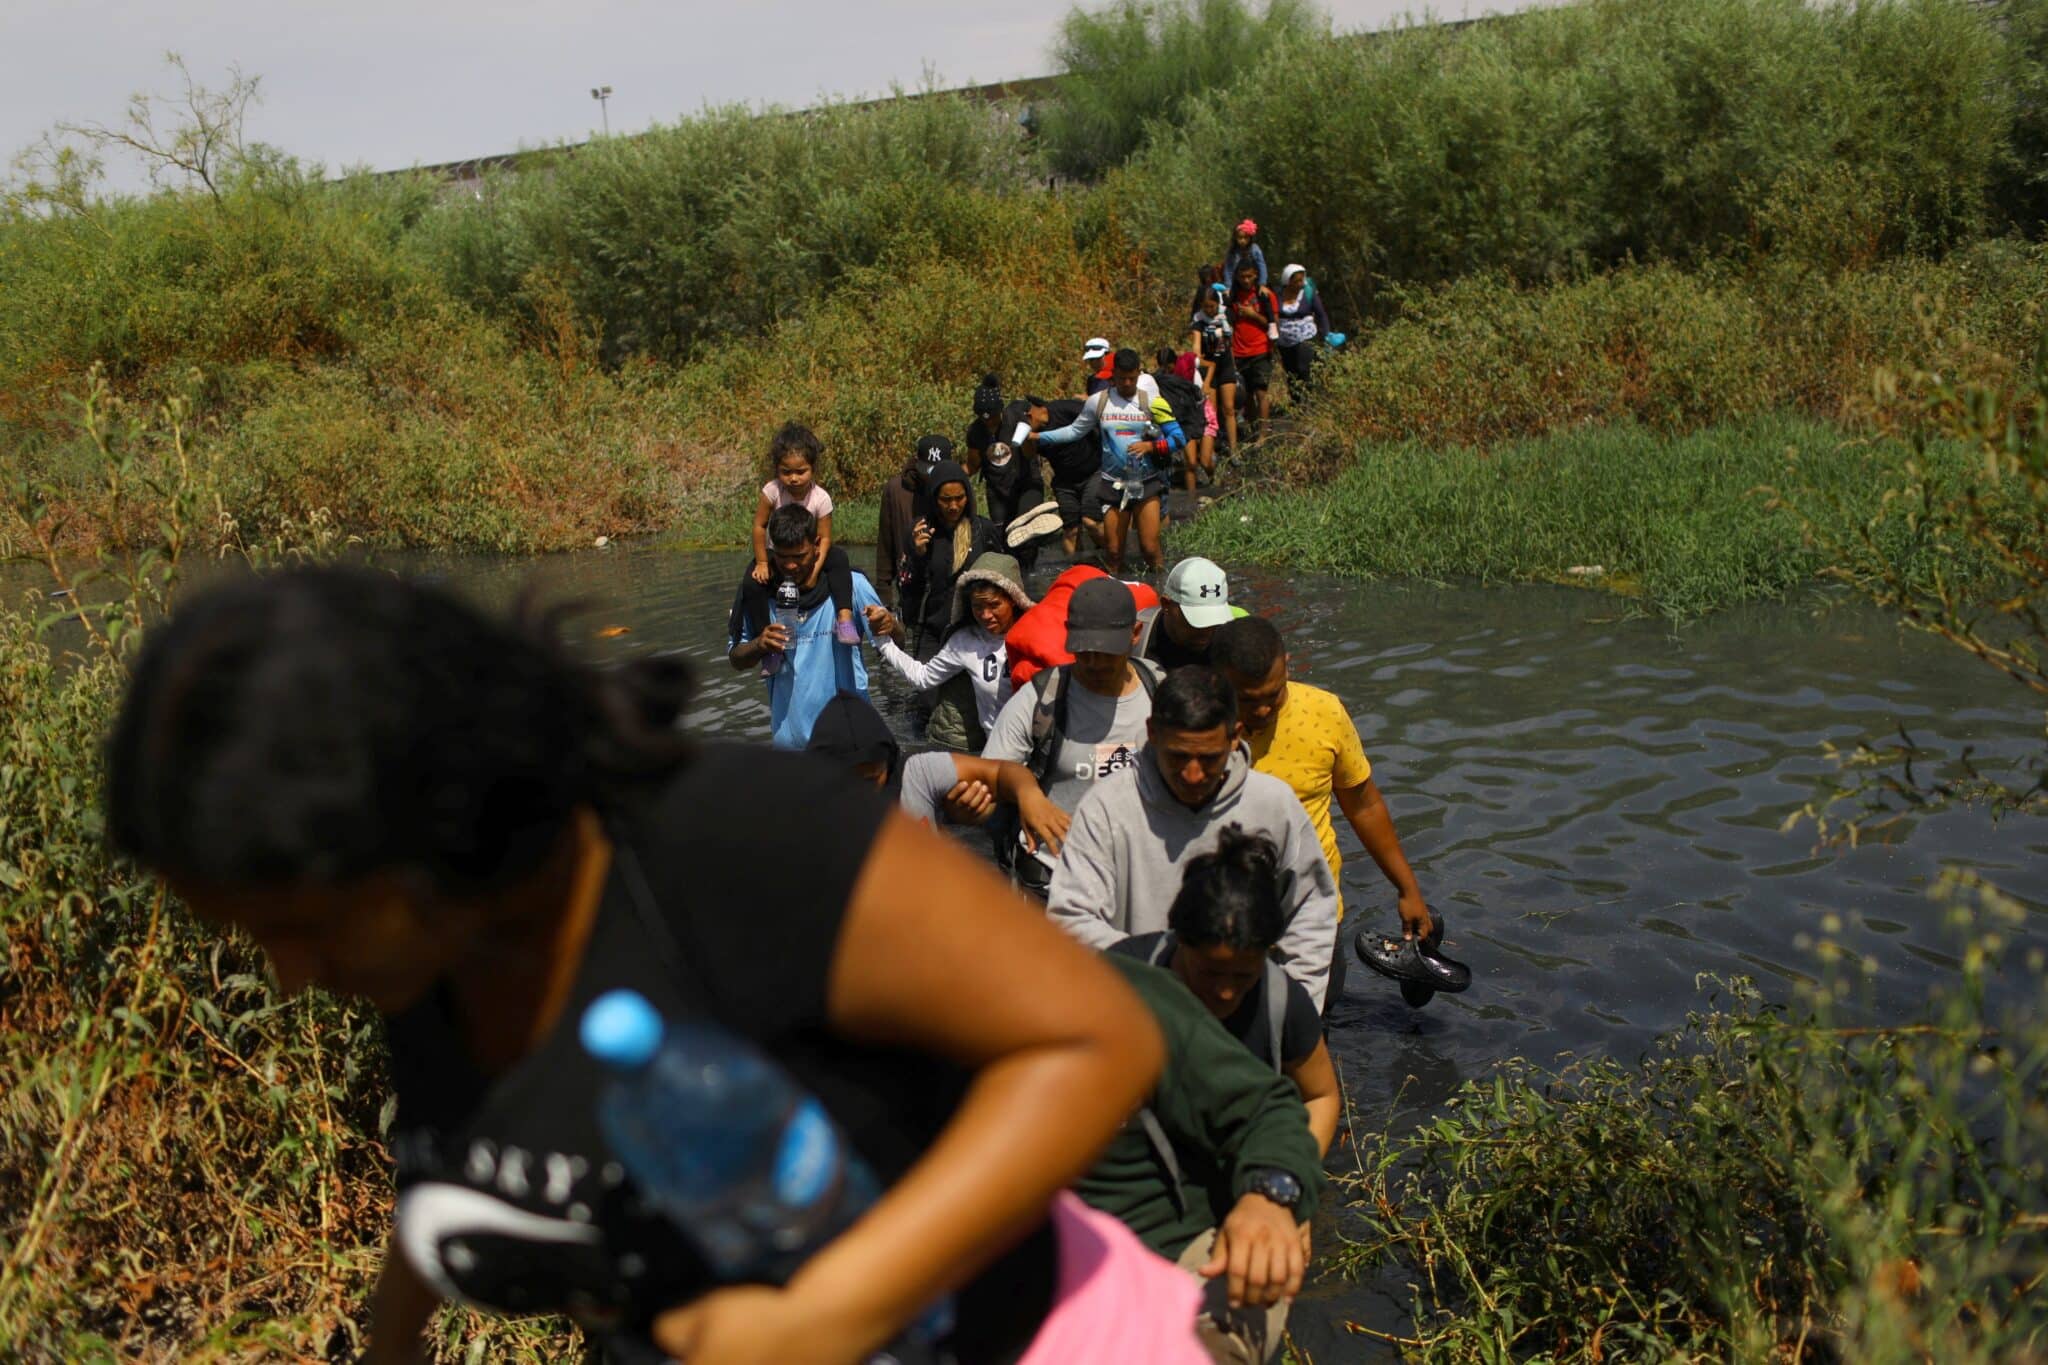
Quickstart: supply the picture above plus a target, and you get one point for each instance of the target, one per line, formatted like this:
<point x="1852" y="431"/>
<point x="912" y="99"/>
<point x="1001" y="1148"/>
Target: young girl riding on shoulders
<point x="793" y="469"/>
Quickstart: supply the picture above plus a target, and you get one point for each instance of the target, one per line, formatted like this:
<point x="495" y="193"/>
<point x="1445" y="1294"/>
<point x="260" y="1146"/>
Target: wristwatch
<point x="1274" y="1184"/>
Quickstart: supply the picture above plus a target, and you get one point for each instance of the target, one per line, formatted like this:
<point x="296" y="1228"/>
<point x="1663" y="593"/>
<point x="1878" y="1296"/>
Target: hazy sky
<point x="389" y="84"/>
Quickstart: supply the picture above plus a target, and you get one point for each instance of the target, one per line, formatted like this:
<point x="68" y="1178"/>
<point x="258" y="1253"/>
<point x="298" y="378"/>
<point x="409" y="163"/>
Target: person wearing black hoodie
<point x="947" y="537"/>
<point x="902" y="498"/>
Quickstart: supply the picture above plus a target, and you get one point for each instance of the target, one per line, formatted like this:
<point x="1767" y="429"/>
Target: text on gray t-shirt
<point x="1102" y="735"/>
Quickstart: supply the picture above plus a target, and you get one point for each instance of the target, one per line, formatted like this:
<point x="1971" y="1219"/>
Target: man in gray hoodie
<point x="1134" y="832"/>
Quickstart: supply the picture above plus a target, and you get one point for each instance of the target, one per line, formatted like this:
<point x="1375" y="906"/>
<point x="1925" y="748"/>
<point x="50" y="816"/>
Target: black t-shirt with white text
<point x="508" y="1194"/>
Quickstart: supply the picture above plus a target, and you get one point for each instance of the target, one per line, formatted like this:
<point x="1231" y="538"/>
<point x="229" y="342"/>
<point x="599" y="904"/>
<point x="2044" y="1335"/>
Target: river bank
<point x="1681" y="525"/>
<point x="1596" y="804"/>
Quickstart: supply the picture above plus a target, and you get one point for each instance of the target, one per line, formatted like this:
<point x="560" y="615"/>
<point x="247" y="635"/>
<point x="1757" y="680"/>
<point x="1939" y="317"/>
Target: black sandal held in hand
<point x="1414" y="962"/>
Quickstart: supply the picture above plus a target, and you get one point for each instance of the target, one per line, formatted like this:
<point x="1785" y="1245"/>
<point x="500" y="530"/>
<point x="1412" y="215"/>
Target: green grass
<point x="1684" y="523"/>
<point x="1765" y="1184"/>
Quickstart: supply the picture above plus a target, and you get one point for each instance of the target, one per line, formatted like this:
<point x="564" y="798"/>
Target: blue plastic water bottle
<point x="726" y="1145"/>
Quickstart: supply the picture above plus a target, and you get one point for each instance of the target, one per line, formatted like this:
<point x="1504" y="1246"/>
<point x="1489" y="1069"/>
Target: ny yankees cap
<point x="1201" y="591"/>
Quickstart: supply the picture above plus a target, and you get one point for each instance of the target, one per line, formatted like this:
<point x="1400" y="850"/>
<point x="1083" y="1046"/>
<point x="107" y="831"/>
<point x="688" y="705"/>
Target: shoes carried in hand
<point x="1415" y="963"/>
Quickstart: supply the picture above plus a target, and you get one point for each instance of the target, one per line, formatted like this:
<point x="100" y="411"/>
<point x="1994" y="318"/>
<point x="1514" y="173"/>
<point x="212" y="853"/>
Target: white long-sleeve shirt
<point x="970" y="650"/>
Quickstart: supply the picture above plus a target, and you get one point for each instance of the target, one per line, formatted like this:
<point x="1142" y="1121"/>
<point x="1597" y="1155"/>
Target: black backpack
<point x="1185" y="399"/>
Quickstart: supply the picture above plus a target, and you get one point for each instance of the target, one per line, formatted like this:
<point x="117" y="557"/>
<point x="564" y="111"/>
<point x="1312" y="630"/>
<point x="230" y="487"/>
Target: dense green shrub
<point x="1480" y="361"/>
<point x="724" y="224"/>
<point x="1138" y="66"/>
<point x="281" y="268"/>
<point x="2021" y="194"/>
<point x="1590" y="134"/>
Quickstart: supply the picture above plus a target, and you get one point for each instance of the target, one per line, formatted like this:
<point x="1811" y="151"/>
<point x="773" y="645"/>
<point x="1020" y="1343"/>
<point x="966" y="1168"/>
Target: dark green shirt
<point x="1224" y="1111"/>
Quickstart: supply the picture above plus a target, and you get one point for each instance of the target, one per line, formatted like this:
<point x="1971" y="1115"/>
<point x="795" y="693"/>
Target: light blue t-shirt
<point x="815" y="667"/>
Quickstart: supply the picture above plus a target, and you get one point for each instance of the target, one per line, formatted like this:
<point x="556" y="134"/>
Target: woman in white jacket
<point x="988" y="597"/>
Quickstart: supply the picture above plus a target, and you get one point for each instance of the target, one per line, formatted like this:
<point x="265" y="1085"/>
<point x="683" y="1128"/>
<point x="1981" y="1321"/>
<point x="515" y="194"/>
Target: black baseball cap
<point x="1101" y="617"/>
<point x="932" y="449"/>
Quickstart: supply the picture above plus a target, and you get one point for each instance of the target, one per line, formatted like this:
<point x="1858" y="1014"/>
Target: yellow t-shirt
<point x="1314" y="748"/>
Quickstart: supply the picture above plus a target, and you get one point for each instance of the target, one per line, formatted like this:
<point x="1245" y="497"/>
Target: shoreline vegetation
<point x="1606" y="266"/>
<point x="1533" y="228"/>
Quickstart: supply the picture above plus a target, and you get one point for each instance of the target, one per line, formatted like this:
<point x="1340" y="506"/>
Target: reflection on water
<point x="1597" y="804"/>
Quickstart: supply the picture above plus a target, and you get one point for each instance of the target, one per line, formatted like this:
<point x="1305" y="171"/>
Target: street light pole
<point x="602" y="94"/>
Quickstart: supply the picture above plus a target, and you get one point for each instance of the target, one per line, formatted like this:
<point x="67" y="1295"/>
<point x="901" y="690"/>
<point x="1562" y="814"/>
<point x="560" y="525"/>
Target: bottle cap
<point x="621" y="1029"/>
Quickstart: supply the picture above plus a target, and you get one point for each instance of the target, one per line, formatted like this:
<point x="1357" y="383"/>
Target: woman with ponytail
<point x="1229" y="913"/>
<point x="400" y="797"/>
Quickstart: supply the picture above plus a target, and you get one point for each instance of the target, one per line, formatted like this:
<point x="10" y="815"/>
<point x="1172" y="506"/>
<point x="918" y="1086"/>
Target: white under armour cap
<point x="1201" y="590"/>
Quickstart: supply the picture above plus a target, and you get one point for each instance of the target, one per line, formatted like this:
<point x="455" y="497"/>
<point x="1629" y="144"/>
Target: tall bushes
<point x="1139" y="65"/>
<point x="1591" y="134"/>
<point x="1481" y="361"/>
<point x="723" y="225"/>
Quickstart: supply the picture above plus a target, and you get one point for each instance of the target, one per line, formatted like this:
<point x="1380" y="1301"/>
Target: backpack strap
<point x="1155" y="1137"/>
<point x="1048" y="713"/>
<point x="1277" y="983"/>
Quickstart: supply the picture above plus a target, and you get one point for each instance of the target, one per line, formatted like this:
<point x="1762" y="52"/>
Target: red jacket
<point x="1038" y="638"/>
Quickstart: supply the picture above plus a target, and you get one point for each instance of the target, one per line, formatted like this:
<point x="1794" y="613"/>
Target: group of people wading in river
<point x="1088" y="1070"/>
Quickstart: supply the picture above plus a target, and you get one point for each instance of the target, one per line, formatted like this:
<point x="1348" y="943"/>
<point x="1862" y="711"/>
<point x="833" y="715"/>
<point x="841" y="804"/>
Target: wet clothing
<point x="1223" y="1112"/>
<point x="815" y="667"/>
<point x="508" y="1195"/>
<point x="1132" y="839"/>
<point x="1301" y="1027"/>
<point x="1314" y="748"/>
<point x="898" y="513"/>
<point x="925" y="583"/>
<point x="836" y="574"/>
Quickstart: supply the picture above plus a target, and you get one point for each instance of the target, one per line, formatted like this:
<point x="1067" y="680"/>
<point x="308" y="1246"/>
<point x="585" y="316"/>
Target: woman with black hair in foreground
<point x="399" y="797"/>
<point x="1220" y="933"/>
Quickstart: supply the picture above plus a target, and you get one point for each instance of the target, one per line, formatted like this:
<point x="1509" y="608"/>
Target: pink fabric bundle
<point x="1117" y="1303"/>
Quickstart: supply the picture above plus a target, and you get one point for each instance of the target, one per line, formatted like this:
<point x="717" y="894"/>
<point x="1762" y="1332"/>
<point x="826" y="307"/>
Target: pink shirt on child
<point x="816" y="499"/>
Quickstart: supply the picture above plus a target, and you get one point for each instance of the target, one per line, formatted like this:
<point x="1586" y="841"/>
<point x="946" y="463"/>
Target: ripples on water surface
<point x="1596" y="803"/>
